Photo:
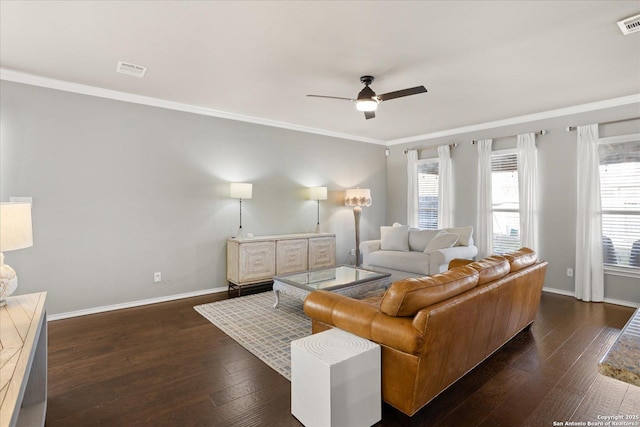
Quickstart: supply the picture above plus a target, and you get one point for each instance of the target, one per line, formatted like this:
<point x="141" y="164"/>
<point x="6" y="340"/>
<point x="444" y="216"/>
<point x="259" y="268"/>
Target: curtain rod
<point x="570" y="128"/>
<point x="454" y="145"/>
<point x="540" y="132"/>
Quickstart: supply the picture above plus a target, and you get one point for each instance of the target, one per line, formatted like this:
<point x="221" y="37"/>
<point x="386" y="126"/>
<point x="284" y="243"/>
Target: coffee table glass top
<point x="330" y="278"/>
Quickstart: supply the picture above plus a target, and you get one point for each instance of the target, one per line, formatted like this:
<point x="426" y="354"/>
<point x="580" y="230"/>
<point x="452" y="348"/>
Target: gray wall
<point x="556" y="160"/>
<point x="122" y="190"/>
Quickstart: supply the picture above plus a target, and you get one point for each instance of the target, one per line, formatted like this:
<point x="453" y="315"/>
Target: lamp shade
<point x="15" y="226"/>
<point x="318" y="193"/>
<point x="241" y="190"/>
<point x="358" y="197"/>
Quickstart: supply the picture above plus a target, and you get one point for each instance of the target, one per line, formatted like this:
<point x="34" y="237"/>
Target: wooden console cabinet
<point x="257" y="260"/>
<point x="23" y="353"/>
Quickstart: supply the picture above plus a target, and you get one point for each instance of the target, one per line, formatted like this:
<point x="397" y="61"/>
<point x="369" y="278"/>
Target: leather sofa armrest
<point x="366" y="248"/>
<point x="364" y="320"/>
<point x="439" y="260"/>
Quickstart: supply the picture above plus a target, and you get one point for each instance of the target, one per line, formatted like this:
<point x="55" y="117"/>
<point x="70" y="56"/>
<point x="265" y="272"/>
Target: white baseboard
<point x="131" y="304"/>
<point x="607" y="300"/>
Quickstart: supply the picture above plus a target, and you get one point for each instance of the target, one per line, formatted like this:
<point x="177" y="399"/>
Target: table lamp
<point x="241" y="190"/>
<point x="15" y="233"/>
<point x="357" y="197"/>
<point x="317" y="194"/>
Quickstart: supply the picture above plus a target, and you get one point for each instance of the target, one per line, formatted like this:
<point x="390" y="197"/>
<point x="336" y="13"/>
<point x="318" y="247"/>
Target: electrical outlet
<point x="353" y="252"/>
<point x="157" y="277"/>
<point x="570" y="272"/>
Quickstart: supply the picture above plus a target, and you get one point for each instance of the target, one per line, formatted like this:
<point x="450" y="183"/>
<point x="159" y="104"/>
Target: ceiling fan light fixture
<point x="367" y="105"/>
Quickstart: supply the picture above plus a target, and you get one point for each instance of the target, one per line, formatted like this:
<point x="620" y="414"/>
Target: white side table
<point x="335" y="380"/>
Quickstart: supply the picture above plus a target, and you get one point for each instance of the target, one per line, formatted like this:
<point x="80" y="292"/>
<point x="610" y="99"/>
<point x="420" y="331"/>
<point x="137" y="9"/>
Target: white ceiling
<point x="481" y="61"/>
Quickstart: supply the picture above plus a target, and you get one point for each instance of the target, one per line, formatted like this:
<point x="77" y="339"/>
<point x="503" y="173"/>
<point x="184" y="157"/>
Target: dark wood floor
<point x="164" y="364"/>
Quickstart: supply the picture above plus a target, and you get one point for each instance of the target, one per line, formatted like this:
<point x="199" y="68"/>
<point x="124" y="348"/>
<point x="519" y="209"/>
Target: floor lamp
<point x="241" y="190"/>
<point x="357" y="197"/>
<point x="317" y="194"/>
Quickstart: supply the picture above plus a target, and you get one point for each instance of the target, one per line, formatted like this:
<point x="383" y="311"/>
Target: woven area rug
<point x="265" y="331"/>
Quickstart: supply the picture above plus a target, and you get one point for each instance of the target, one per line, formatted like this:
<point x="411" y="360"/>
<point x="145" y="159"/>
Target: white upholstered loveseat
<point x="411" y="252"/>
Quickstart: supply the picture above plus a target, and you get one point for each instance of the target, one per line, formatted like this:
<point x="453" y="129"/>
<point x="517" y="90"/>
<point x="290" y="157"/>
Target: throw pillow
<point x="419" y="239"/>
<point x="464" y="234"/>
<point x="441" y="241"/>
<point x="394" y="238"/>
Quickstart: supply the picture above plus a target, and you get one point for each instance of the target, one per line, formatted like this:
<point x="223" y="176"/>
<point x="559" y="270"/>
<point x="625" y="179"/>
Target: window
<point x="505" y="201"/>
<point x="428" y="193"/>
<point x="620" y="197"/>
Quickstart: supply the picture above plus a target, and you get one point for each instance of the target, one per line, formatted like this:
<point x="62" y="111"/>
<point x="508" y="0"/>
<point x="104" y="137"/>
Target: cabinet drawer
<point x="291" y="256"/>
<point x="322" y="252"/>
<point x="256" y="261"/>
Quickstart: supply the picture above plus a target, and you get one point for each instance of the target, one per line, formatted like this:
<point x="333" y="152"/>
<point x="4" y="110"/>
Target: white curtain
<point x="528" y="190"/>
<point x="484" y="227"/>
<point x="412" y="188"/>
<point x="445" y="187"/>
<point x="589" y="269"/>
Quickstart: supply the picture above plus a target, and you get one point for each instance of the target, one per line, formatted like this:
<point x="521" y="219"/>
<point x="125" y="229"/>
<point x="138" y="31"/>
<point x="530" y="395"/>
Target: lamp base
<point x="241" y="234"/>
<point x="357" y="211"/>
<point x="8" y="283"/>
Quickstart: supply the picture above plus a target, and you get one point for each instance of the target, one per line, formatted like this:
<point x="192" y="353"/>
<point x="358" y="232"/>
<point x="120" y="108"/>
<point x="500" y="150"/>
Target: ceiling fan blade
<point x="400" y="93"/>
<point x="332" y="97"/>
<point x="369" y="114"/>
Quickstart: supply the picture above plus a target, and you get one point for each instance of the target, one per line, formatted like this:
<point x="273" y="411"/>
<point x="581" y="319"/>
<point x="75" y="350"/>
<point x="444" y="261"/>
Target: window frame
<point x="615" y="269"/>
<point x="420" y="162"/>
<point x="505" y="151"/>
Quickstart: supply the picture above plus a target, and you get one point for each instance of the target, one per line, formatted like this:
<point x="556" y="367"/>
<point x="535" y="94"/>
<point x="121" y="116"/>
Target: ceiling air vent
<point x="630" y="25"/>
<point x="131" y="69"/>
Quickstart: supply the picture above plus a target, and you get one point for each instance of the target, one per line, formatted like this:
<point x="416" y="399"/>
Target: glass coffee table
<point x="343" y="279"/>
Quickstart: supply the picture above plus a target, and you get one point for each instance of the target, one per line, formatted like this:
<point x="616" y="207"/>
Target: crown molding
<point x="34" y="80"/>
<point x="30" y="79"/>
<point x="583" y="108"/>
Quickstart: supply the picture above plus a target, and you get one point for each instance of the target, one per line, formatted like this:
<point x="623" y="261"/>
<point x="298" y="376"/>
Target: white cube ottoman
<point x="335" y="380"/>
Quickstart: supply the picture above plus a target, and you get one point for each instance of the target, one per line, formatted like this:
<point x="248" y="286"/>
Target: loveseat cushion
<point x="491" y="268"/>
<point x="394" y="238"/>
<point x="419" y="239"/>
<point x="464" y="235"/>
<point x="407" y="297"/>
<point x="442" y="241"/>
<point x="412" y="262"/>
<point x="521" y="258"/>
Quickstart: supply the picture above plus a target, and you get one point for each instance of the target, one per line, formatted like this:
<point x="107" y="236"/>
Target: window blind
<point x="620" y="198"/>
<point x="505" y="201"/>
<point x="428" y="193"/>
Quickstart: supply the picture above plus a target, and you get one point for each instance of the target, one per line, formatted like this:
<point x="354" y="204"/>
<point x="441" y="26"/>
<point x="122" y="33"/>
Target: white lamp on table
<point x="15" y="233"/>
<point x="317" y="194"/>
<point x="241" y="190"/>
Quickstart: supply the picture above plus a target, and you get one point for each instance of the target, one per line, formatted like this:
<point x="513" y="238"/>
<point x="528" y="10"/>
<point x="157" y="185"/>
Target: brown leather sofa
<point x="435" y="329"/>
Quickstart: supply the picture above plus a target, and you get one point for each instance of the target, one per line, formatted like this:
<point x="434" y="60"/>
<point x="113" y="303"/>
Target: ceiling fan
<point x="367" y="100"/>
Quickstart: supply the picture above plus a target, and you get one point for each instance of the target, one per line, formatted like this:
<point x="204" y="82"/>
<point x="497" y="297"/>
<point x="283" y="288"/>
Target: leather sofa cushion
<point x="491" y="268"/>
<point x="407" y="297"/>
<point x="412" y="262"/>
<point x="521" y="258"/>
